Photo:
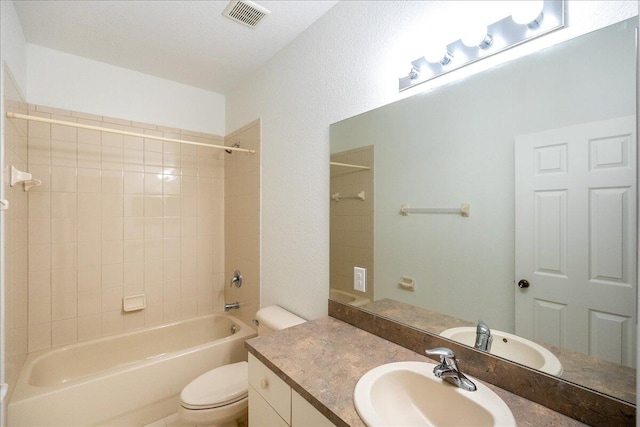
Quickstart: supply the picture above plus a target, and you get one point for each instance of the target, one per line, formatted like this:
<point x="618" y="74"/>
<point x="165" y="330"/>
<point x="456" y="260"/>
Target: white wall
<point x="61" y="80"/>
<point x="13" y="44"/>
<point x="345" y="64"/>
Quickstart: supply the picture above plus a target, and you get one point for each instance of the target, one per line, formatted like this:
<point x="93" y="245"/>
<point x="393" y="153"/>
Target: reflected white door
<point x="576" y="238"/>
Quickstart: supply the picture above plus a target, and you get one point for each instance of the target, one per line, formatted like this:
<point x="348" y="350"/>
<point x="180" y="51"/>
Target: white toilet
<point x="220" y="397"/>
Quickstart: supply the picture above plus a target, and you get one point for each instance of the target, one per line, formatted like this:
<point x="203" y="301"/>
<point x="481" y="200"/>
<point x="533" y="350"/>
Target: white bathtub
<point x="125" y="380"/>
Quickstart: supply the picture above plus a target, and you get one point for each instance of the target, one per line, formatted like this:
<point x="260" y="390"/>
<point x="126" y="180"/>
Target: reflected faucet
<point x="448" y="369"/>
<point x="483" y="337"/>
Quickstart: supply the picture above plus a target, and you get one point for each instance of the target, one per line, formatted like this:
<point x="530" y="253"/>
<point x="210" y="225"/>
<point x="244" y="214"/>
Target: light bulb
<point x="476" y="36"/>
<point x="528" y="13"/>
<point x="406" y="69"/>
<point x="438" y="54"/>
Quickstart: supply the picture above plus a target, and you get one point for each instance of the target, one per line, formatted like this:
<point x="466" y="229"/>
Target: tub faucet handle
<point x="236" y="279"/>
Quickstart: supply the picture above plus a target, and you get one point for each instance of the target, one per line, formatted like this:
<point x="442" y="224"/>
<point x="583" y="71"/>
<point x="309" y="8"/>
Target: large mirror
<point x="543" y="151"/>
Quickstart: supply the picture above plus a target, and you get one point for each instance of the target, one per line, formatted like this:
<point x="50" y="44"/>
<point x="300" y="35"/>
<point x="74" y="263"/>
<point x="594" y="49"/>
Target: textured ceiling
<point x="185" y="41"/>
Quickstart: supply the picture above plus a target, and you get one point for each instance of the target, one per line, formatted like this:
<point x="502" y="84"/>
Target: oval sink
<point x="511" y="347"/>
<point x="409" y="394"/>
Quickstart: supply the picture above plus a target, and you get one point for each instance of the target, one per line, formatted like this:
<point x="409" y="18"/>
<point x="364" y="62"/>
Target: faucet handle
<point x="443" y="352"/>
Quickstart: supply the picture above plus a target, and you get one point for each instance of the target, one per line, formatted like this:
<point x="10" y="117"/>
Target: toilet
<point x="220" y="397"/>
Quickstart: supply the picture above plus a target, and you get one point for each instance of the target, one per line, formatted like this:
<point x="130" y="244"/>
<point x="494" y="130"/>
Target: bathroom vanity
<point x="316" y="365"/>
<point x="274" y="403"/>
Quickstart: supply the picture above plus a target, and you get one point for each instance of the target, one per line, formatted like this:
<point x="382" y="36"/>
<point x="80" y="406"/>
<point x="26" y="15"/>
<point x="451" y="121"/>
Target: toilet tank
<point x="274" y="318"/>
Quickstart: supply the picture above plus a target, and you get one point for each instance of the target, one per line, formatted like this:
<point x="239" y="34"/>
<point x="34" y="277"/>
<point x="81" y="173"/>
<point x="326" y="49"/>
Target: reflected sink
<point x="409" y="394"/>
<point x="511" y="347"/>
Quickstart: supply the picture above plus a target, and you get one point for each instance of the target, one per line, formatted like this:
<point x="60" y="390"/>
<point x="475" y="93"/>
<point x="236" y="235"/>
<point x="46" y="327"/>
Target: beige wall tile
<point x="64" y="230"/>
<point x="153" y="250"/>
<point x="64" y="281"/>
<point x="134" y="320"/>
<point x="133" y="160"/>
<point x="112" y="323"/>
<point x="112" y="276"/>
<point x="119" y="215"/>
<point x="112" y="140"/>
<point x="112" y="158"/>
<point x="133" y="205"/>
<point x="39" y="231"/>
<point x="112" y="182"/>
<point x="153" y="206"/>
<point x="89" y="156"/>
<point x="134" y="251"/>
<point x="153" y="184"/>
<point x="90" y="279"/>
<point x="89" y="327"/>
<point x="39" y="310"/>
<point x="63" y="133"/>
<point x="112" y="252"/>
<point x="39" y="336"/>
<point x="133" y="183"/>
<point x="39" y="257"/>
<point x="89" y="180"/>
<point x="112" y="205"/>
<point x="63" y="205"/>
<point x="112" y="228"/>
<point x="64" y="306"/>
<point x="63" y="153"/>
<point x="133" y="229"/>
<point x="64" y="332"/>
<point x="86" y="136"/>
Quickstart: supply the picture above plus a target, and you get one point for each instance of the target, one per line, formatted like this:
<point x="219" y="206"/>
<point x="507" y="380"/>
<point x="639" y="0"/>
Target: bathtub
<point x="347" y="298"/>
<point x="130" y="379"/>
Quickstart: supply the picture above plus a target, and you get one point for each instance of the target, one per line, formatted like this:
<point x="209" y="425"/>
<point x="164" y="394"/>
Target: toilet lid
<point x="218" y="387"/>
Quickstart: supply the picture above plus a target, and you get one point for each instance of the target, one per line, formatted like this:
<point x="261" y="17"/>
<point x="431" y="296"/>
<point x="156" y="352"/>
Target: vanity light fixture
<point x="529" y="13"/>
<point x="477" y="36"/>
<point x="438" y="55"/>
<point x="532" y="19"/>
<point x="414" y="73"/>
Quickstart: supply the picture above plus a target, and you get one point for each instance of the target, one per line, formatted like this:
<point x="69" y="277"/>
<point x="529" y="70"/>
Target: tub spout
<point x="232" y="306"/>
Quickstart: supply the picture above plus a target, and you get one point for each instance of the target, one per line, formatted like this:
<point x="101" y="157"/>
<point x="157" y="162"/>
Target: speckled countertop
<point x="323" y="360"/>
<point x="597" y="374"/>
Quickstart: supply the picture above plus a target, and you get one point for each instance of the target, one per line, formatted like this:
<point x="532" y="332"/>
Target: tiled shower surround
<point x="117" y="216"/>
<point x="15" y="248"/>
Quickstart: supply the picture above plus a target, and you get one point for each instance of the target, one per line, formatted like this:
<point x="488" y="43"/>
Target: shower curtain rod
<point x="348" y="165"/>
<point x="12" y="115"/>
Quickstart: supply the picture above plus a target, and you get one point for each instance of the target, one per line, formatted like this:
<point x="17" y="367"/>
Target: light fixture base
<point x="501" y="35"/>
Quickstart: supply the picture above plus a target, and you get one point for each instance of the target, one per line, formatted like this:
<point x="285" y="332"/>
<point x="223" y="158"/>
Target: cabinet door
<point x="261" y="414"/>
<point x="276" y="392"/>
<point x="303" y="414"/>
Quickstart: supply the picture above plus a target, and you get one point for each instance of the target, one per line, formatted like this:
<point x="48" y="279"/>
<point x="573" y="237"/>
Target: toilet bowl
<point x="220" y="396"/>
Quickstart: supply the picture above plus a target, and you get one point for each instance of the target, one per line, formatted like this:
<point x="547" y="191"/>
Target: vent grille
<point x="245" y="12"/>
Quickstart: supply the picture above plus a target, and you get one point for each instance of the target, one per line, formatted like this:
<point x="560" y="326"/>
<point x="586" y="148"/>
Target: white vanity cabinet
<point x="272" y="402"/>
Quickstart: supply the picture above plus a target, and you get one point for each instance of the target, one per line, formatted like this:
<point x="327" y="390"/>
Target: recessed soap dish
<point x="134" y="303"/>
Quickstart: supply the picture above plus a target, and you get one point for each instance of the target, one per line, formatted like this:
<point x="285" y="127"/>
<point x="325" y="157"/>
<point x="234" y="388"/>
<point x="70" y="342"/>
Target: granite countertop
<point x="323" y="360"/>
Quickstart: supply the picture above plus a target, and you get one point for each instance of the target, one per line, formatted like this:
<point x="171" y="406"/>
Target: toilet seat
<point x="219" y="387"/>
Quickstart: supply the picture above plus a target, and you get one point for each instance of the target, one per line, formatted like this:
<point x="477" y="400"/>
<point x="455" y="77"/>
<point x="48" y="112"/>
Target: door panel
<point x="576" y="237"/>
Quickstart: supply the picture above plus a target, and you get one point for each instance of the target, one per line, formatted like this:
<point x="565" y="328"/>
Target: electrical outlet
<point x="360" y="279"/>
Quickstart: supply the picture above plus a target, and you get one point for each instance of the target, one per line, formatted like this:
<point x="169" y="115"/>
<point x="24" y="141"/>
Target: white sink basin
<point x="512" y="347"/>
<point x="409" y="394"/>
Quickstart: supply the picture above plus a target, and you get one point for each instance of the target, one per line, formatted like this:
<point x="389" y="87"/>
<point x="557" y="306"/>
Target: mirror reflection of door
<point x="575" y="238"/>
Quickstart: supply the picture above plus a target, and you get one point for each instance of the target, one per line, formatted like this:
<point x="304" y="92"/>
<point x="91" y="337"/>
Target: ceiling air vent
<point x="245" y="12"/>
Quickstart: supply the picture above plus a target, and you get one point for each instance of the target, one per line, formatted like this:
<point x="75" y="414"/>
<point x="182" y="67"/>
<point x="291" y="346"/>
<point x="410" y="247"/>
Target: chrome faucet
<point x="483" y="337"/>
<point x="448" y="369"/>
<point x="232" y="306"/>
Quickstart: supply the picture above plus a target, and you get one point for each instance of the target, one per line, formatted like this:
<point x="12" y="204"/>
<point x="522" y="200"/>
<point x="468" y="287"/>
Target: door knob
<point x="523" y="284"/>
